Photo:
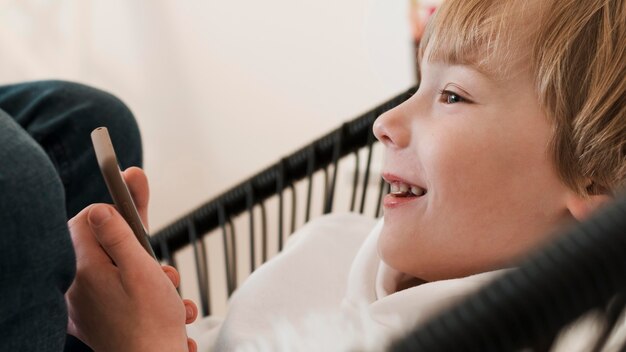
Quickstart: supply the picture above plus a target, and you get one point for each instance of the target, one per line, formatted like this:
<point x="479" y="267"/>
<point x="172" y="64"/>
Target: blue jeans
<point x="48" y="173"/>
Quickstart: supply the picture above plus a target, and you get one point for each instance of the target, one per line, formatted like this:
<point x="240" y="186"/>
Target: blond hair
<point x="576" y="52"/>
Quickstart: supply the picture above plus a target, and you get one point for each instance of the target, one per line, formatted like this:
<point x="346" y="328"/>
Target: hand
<point x="121" y="298"/>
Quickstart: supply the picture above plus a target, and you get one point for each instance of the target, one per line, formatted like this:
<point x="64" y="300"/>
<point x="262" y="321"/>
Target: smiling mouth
<point x="405" y="190"/>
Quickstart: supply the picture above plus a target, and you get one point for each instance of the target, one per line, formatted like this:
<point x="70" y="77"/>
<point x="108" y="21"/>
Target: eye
<point x="449" y="97"/>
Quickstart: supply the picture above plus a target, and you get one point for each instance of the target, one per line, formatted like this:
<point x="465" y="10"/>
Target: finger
<point x="191" y="344"/>
<point x="138" y="186"/>
<point x="117" y="239"/>
<point x="172" y="274"/>
<point x="86" y="247"/>
<point x="191" y="311"/>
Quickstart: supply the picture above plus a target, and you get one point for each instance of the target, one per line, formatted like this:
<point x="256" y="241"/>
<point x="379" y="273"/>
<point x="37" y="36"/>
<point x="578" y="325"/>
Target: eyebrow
<point x="488" y="74"/>
<point x="445" y="59"/>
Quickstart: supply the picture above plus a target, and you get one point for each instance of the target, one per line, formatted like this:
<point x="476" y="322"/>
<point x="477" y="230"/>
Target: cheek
<point x="478" y="169"/>
<point x="458" y="165"/>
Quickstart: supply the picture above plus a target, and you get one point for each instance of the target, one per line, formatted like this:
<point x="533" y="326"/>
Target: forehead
<point x="492" y="36"/>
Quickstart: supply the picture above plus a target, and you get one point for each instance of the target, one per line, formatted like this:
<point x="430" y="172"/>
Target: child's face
<point x="478" y="147"/>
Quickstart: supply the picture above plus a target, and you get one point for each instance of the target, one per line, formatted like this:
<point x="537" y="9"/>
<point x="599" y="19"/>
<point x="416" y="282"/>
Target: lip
<point x="390" y="201"/>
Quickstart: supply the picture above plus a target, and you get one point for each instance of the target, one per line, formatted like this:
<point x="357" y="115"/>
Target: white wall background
<point x="220" y="88"/>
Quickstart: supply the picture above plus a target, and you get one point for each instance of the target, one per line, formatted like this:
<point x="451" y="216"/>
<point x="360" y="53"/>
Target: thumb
<point x="116" y="237"/>
<point x="137" y="183"/>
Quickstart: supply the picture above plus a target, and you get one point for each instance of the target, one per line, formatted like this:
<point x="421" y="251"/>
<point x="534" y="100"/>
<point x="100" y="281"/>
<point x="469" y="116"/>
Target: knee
<point x="98" y="105"/>
<point x="78" y="109"/>
<point x="60" y="116"/>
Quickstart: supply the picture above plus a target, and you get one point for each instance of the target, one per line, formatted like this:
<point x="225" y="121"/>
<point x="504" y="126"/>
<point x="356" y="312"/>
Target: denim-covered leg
<point x="60" y="117"/>
<point x="37" y="262"/>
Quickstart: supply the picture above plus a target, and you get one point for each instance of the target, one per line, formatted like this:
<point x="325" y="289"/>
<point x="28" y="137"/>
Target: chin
<point x="396" y="257"/>
<point x="393" y="253"/>
<point x="386" y="244"/>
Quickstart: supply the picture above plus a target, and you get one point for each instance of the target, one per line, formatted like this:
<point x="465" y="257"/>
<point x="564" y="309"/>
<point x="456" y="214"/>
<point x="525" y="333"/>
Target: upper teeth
<point x="402" y="188"/>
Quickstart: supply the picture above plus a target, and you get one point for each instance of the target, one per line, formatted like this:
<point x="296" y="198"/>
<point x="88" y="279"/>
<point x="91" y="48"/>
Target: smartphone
<point x="107" y="161"/>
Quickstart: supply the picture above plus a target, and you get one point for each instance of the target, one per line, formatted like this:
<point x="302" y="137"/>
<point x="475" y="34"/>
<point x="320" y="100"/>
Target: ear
<point x="582" y="206"/>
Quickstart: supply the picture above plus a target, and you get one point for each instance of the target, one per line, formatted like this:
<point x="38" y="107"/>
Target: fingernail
<point x="189" y="311"/>
<point x="99" y="215"/>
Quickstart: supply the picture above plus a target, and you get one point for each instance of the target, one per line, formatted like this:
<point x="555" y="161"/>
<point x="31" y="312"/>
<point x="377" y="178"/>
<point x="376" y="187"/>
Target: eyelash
<point x="445" y="96"/>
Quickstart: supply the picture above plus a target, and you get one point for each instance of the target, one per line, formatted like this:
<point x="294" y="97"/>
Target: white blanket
<point x="329" y="291"/>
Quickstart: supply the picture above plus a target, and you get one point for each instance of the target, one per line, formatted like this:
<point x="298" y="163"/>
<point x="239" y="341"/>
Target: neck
<point x="408" y="283"/>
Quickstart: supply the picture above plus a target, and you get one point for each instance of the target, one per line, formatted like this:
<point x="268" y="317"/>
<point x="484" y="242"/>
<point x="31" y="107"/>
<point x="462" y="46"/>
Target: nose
<point x="392" y="129"/>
